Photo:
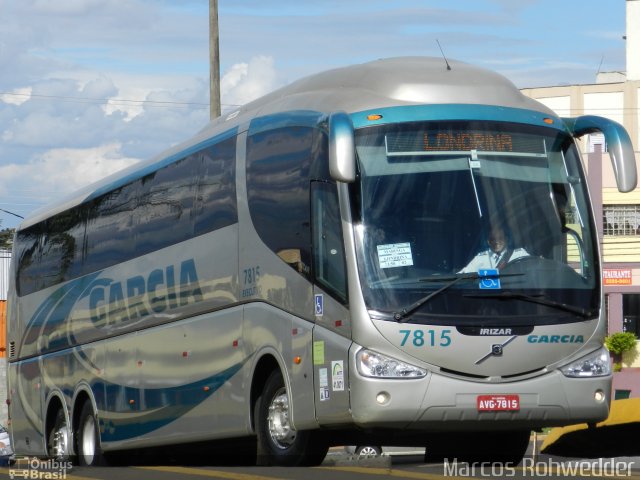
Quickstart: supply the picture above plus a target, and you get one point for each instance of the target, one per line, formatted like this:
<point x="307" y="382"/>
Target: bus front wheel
<point x="278" y="442"/>
<point x="89" y="451"/>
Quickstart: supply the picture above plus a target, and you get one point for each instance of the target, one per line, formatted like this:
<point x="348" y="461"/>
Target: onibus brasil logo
<point x="35" y="468"/>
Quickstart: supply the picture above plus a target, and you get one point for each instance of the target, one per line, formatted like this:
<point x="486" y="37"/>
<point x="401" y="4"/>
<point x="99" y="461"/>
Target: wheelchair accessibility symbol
<point x="319" y="302"/>
<point x="489" y="280"/>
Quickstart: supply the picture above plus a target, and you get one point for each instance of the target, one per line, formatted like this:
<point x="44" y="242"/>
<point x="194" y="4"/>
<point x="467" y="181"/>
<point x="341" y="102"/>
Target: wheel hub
<point x="61" y="443"/>
<point x="278" y="420"/>
<point x="88" y="444"/>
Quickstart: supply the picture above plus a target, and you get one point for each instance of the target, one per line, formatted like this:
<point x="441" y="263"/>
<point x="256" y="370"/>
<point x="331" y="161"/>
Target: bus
<point x="293" y="277"/>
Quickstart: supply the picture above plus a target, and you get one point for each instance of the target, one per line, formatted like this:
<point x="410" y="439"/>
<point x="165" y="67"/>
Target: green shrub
<point x="620" y="342"/>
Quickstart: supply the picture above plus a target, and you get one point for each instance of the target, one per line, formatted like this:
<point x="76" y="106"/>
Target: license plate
<point x="498" y="403"/>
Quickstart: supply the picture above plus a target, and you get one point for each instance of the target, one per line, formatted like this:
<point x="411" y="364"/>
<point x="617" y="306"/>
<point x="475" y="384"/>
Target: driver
<point x="497" y="255"/>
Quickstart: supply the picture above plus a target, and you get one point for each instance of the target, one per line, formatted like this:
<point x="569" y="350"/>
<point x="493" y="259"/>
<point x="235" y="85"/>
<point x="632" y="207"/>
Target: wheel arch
<point x="266" y="363"/>
<point x="83" y="395"/>
<point x="55" y="403"/>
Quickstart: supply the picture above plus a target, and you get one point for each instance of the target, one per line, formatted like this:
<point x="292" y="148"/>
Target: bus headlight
<point x="373" y="364"/>
<point x="596" y="364"/>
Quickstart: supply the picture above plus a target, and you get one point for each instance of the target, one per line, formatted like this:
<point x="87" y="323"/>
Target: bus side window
<point x="328" y="252"/>
<point x="278" y="163"/>
<point x="216" y="196"/>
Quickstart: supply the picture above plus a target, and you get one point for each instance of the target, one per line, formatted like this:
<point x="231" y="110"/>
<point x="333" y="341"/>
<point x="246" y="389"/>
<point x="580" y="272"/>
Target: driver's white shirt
<point x="489" y="260"/>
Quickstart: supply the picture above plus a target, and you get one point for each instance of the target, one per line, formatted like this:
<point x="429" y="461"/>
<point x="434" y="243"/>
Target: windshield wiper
<point x="400" y="315"/>
<point x="451" y="279"/>
<point x="539" y="299"/>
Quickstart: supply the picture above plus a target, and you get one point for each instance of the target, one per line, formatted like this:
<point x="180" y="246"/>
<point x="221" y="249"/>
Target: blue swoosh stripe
<point x="54" y="312"/>
<point x="162" y="405"/>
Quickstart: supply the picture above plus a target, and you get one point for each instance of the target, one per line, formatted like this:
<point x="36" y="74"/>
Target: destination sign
<point x="460" y="140"/>
<point x="446" y="141"/>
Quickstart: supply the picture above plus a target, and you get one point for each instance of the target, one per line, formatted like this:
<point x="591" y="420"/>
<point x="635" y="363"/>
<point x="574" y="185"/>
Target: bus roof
<point x="394" y="82"/>
<point x="377" y="84"/>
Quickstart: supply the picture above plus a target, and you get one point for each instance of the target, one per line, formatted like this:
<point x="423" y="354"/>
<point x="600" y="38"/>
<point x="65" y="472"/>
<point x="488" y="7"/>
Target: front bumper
<point x="444" y="403"/>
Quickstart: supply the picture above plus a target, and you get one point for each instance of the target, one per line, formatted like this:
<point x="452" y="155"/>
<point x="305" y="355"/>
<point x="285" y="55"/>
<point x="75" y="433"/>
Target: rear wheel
<point x="88" y="435"/>
<point x="59" y="438"/>
<point x="278" y="442"/>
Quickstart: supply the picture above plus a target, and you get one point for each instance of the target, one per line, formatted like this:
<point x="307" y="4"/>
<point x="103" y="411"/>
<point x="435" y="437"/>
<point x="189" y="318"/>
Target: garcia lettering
<point x="555" y="339"/>
<point x="140" y="296"/>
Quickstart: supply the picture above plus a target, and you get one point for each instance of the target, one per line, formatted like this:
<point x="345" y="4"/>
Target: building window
<point x="631" y="313"/>
<point x="571" y="215"/>
<point x="621" y="219"/>
<point x="597" y="142"/>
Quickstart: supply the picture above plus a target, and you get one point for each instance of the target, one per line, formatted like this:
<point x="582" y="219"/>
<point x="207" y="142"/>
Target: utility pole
<point x="214" y="60"/>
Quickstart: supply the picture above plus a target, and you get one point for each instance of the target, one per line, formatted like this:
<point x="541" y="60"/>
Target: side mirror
<point x="342" y="148"/>
<point x="618" y="142"/>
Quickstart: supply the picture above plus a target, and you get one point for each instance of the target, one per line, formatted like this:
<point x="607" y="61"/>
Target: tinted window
<point x="64" y="248"/>
<point x="51" y="252"/>
<point x="215" y="205"/>
<point x="328" y="251"/>
<point x="191" y="196"/>
<point x="278" y="175"/>
<point x="110" y="228"/>
<point x="28" y="254"/>
<point x="165" y="212"/>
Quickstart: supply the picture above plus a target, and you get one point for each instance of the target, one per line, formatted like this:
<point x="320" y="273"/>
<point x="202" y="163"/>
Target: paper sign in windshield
<point x="395" y="255"/>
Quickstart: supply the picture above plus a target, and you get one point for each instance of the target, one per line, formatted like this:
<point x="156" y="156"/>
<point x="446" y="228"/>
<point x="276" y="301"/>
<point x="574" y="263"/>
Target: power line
<point x="11" y="213"/>
<point x="201" y="105"/>
<point x="116" y="101"/>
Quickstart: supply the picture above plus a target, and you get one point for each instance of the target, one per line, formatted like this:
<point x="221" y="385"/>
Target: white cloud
<point x="17" y="96"/>
<point x="73" y="168"/>
<point x="245" y="82"/>
<point x="62" y="170"/>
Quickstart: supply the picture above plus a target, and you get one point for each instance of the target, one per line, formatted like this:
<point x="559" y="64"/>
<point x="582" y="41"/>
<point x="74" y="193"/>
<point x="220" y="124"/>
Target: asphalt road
<point x="341" y="466"/>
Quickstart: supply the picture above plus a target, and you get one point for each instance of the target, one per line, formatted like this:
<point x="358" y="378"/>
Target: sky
<point x="88" y="87"/>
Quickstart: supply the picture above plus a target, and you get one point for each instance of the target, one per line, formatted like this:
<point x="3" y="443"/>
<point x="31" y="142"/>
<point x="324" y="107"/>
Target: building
<point x="615" y="95"/>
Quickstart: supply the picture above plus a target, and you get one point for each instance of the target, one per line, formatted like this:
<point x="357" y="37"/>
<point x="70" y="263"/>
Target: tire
<point x="58" y="444"/>
<point x="278" y="443"/>
<point x="88" y="438"/>
<point x="368" y="451"/>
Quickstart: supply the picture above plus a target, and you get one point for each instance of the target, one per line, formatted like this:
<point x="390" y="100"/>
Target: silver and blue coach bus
<point x="294" y="277"/>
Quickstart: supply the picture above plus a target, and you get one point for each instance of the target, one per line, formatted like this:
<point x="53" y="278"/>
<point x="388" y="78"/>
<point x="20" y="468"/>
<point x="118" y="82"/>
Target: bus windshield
<point x="476" y="222"/>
